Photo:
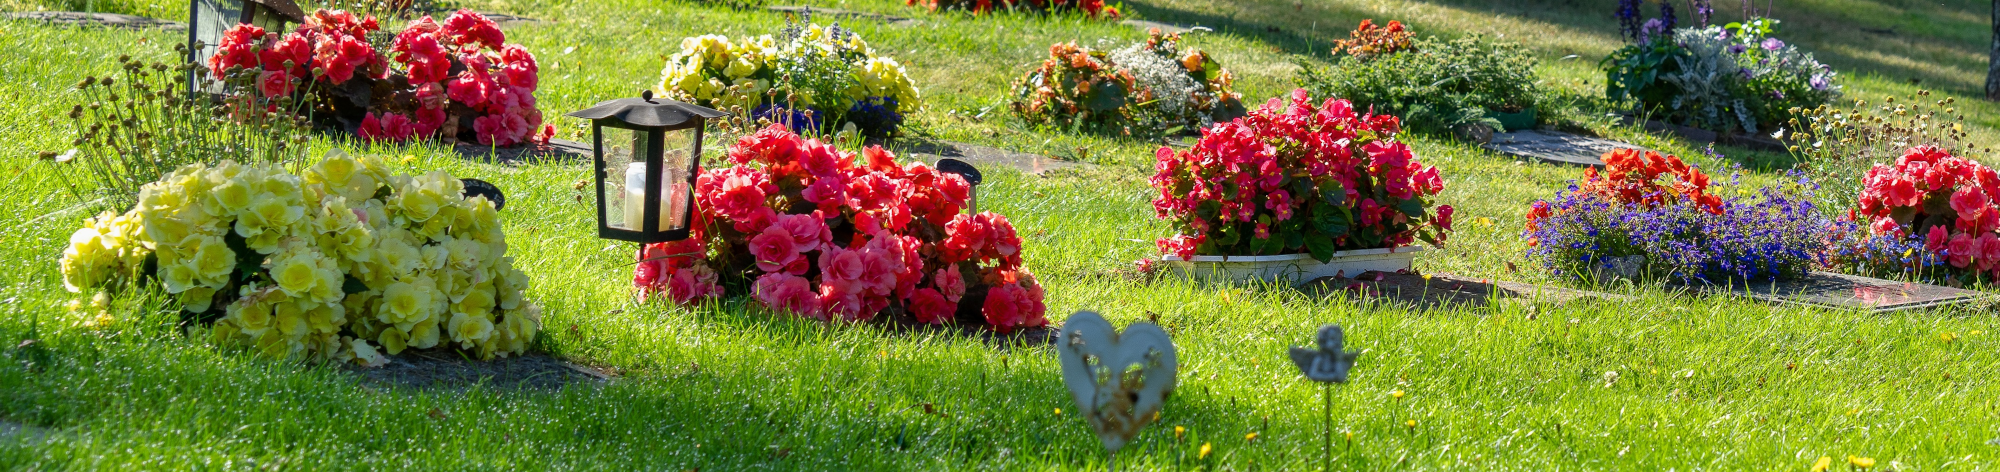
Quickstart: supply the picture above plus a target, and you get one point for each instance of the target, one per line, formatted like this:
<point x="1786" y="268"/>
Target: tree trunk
<point x="1993" y="59"/>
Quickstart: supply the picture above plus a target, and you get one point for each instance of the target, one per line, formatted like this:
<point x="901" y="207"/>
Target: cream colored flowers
<point x="342" y="264"/>
<point x="714" y="71"/>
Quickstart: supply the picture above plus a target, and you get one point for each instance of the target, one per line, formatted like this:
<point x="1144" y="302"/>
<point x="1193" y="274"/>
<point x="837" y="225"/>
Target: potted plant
<point x="1297" y="191"/>
<point x="1514" y="117"/>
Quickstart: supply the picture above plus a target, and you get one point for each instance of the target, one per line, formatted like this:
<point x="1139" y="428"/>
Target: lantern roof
<point x="288" y="8"/>
<point x="647" y="111"/>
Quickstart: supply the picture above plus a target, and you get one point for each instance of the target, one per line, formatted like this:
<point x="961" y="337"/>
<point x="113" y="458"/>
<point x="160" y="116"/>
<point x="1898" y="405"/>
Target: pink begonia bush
<point x="805" y="228"/>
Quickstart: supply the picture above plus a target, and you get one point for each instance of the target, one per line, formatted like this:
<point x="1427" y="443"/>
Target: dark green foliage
<point x="1438" y="85"/>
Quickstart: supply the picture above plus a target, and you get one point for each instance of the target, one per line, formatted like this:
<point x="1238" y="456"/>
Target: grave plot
<point x="1827" y="289"/>
<point x="1447" y="291"/>
<point x="1556" y="147"/>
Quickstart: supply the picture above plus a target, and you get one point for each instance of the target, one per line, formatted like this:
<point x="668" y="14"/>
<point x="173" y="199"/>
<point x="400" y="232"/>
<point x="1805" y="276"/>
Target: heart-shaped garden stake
<point x="1119" y="380"/>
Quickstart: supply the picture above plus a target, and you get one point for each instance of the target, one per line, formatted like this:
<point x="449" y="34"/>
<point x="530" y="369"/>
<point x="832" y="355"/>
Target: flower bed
<point x="802" y="227"/>
<point x="1294" y="177"/>
<point x="1434" y="85"/>
<point x="326" y="265"/>
<point x="1089" y="8"/>
<point x="1932" y="214"/>
<point x="1719" y="78"/>
<point x="817" y="79"/>
<point x="1145" y="89"/>
<point x="1649" y="215"/>
<point x="411" y="94"/>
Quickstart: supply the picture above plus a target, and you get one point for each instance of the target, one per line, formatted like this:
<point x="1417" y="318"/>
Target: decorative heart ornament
<point x="1330" y="362"/>
<point x="1119" y="380"/>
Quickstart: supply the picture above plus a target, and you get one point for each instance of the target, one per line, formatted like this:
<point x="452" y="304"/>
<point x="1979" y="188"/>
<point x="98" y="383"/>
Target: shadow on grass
<point x="1881" y="37"/>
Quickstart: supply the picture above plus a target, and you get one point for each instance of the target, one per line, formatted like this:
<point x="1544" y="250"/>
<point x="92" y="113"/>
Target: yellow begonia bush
<point x="326" y="266"/>
<point x="829" y="70"/>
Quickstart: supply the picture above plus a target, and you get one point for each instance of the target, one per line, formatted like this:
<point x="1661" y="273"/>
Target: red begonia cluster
<point x="330" y="47"/>
<point x="1334" y="178"/>
<point x="1946" y="199"/>
<point x="1633" y="177"/>
<point x="493" y="95"/>
<point x="806" y="228"/>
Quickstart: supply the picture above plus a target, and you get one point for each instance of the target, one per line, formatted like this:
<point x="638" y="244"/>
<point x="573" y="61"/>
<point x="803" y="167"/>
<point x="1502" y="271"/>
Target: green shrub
<point x="1436" y="86"/>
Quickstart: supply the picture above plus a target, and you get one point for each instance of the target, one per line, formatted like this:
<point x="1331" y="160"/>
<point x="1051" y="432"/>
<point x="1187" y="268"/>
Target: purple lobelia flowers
<point x="1773" y="233"/>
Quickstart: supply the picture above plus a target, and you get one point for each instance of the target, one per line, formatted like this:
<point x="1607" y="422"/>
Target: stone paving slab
<point x="842" y="14"/>
<point x="1446" y="291"/>
<point x="1556" y="147"/>
<point x="11" y="431"/>
<point x="984" y="157"/>
<point x="110" y="20"/>
<point x="448" y="370"/>
<point x="1827" y="289"/>
<point x="557" y="150"/>
<point x="1168" y="28"/>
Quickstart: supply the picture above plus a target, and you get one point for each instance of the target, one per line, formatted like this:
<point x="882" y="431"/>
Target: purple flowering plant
<point x="1730" y="78"/>
<point x="1775" y="232"/>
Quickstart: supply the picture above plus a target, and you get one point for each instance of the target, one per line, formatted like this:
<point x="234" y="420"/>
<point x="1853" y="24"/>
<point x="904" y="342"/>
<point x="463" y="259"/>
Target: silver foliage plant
<point x="1724" y="73"/>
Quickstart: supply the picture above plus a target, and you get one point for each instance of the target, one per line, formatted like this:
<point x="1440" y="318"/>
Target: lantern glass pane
<point x="624" y="178"/>
<point x="210" y="18"/>
<point x="678" y="159"/>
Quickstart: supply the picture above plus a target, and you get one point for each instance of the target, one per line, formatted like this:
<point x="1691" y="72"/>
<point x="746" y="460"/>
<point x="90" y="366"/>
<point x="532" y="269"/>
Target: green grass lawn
<point x="1700" y="384"/>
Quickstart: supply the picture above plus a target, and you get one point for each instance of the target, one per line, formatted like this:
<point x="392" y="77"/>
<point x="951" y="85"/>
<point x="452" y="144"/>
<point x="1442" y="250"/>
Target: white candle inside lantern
<point x="635" y="197"/>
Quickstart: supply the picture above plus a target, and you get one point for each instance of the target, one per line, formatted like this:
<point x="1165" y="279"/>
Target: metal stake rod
<point x="1327" y="460"/>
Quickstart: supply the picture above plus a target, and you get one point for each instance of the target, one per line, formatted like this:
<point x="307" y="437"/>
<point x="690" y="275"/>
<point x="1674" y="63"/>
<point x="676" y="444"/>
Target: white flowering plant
<point x="340" y="263"/>
<point x="1145" y="89"/>
<point x="816" y="79"/>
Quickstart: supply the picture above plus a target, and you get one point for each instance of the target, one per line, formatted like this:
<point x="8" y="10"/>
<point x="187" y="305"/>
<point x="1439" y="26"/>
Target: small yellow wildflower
<point x="1205" y="450"/>
<point x="1484" y="221"/>
<point x="1948" y="336"/>
<point x="1409" y="423"/>
<point x="1250" y="437"/>
<point x="1823" y="463"/>
<point x="1058" y="411"/>
<point x="1975" y="333"/>
<point x="408" y="158"/>
<point x="1861" y="462"/>
<point x="1179" y="431"/>
<point x="1396" y="394"/>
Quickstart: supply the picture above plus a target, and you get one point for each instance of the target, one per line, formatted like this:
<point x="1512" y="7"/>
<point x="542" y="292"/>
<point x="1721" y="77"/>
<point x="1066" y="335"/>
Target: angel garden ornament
<point x="1119" y="381"/>
<point x="1328" y="365"/>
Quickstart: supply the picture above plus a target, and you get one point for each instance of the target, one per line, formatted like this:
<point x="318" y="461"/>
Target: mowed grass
<point x="1701" y="383"/>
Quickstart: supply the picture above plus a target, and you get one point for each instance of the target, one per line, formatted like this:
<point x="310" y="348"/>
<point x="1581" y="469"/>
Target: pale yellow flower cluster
<point x="324" y="266"/>
<point x="883" y="77"/>
<point x="711" y="70"/>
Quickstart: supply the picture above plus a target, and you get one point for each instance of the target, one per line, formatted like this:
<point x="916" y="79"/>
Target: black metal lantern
<point x="208" y="19"/>
<point x="645" y="169"/>
<point x="971" y="175"/>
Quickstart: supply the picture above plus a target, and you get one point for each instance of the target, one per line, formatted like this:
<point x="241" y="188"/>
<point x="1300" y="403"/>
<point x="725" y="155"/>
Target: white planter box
<point x="1293" y="268"/>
